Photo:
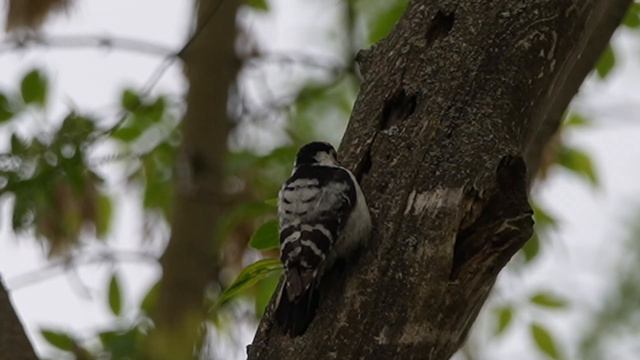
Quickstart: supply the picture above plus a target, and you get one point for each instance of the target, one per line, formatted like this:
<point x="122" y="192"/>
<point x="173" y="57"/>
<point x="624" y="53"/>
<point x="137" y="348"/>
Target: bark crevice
<point x="501" y="226"/>
<point x="440" y="26"/>
<point x="397" y="108"/>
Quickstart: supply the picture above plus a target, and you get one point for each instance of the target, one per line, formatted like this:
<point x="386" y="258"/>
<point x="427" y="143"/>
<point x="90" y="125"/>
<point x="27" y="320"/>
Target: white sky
<point x="578" y="260"/>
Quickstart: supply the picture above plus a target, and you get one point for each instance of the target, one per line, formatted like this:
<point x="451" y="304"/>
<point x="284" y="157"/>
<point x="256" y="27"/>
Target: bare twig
<point x="67" y="263"/>
<point x="308" y="60"/>
<point x="168" y="61"/>
<point x="85" y="41"/>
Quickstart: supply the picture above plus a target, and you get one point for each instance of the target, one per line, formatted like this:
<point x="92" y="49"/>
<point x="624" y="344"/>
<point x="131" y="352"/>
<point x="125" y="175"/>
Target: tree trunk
<point x="456" y="103"/>
<point x="189" y="262"/>
<point x="13" y="340"/>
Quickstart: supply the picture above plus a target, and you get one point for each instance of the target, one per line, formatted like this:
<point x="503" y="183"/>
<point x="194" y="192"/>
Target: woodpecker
<point x="323" y="216"/>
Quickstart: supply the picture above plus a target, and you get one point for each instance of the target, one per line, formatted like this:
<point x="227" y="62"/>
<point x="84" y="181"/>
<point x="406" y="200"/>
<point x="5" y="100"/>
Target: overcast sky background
<point x="578" y="262"/>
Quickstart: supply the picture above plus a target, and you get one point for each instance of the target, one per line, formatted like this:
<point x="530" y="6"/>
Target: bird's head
<point x="317" y="153"/>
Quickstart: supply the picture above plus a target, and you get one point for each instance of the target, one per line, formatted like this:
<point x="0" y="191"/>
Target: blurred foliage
<point x="544" y="341"/>
<point x="632" y="18"/>
<point x="548" y="300"/>
<point x="121" y="340"/>
<point x="564" y="156"/>
<point x="58" y="339"/>
<point x="260" y="5"/>
<point x="378" y="17"/>
<point x="248" y="277"/>
<point x="115" y="296"/>
<point x="145" y="139"/>
<point x="266" y="237"/>
<point x="148" y="131"/>
<point x="544" y="222"/>
<point x="67" y="343"/>
<point x="33" y="88"/>
<point x="606" y="62"/>
<point x="578" y="162"/>
<point x="321" y="108"/>
<point x="6" y="112"/>
<point x="504" y="317"/>
<point x="59" y="196"/>
<point x="55" y="191"/>
<point x="618" y="315"/>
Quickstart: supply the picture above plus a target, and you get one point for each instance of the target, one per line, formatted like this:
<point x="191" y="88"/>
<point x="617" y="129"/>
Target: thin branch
<point x="113" y="158"/>
<point x="169" y="60"/>
<point x="77" y="284"/>
<point x="201" y="27"/>
<point x="87" y="41"/>
<point x="309" y="60"/>
<point x="157" y="74"/>
<point x="67" y="263"/>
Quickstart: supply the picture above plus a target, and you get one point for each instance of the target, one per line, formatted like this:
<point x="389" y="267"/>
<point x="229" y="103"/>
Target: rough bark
<point x="13" y="339"/>
<point x="189" y="262"/>
<point x="456" y="102"/>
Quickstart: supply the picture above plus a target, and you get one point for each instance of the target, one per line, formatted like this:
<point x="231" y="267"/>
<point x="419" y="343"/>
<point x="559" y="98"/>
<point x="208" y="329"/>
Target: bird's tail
<point x="295" y="315"/>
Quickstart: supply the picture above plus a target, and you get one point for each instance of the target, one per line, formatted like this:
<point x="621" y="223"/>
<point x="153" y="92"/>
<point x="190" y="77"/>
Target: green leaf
<point x="272" y="202"/>
<point x="260" y="5"/>
<point x="606" y="62"/>
<point x="504" y="318"/>
<point x="543" y="219"/>
<point x="130" y="100"/>
<point x="242" y="213"/>
<point x="141" y="118"/>
<point x="632" y="18"/>
<point x="318" y="107"/>
<point x="103" y="216"/>
<point x="266" y="237"/>
<point x="386" y="20"/>
<point x="120" y="344"/>
<point x="576" y="120"/>
<point x="18" y="146"/>
<point x="34" y="88"/>
<point x="544" y="341"/>
<point x="247" y="278"/>
<point x="158" y="191"/>
<point x="127" y="133"/>
<point x="548" y="300"/>
<point x="154" y="111"/>
<point x="578" y="162"/>
<point x="6" y="112"/>
<point x="531" y="248"/>
<point x="115" y="295"/>
<point x="22" y="216"/>
<point x="149" y="301"/>
<point x="265" y="290"/>
<point x="75" y="129"/>
<point x="58" y="339"/>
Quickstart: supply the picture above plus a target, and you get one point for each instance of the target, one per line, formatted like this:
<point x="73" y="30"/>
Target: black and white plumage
<point x="323" y="216"/>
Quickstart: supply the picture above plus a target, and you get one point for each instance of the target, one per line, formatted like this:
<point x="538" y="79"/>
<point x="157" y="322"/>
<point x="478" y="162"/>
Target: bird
<point x="323" y="216"/>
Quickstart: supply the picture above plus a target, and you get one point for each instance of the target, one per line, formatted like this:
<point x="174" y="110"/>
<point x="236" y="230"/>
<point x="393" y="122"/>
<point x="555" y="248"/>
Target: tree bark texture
<point x="14" y="343"/>
<point x="189" y="262"/>
<point x="456" y="103"/>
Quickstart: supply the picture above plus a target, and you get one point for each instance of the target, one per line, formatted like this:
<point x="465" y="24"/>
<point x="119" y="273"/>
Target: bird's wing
<point x="314" y="205"/>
